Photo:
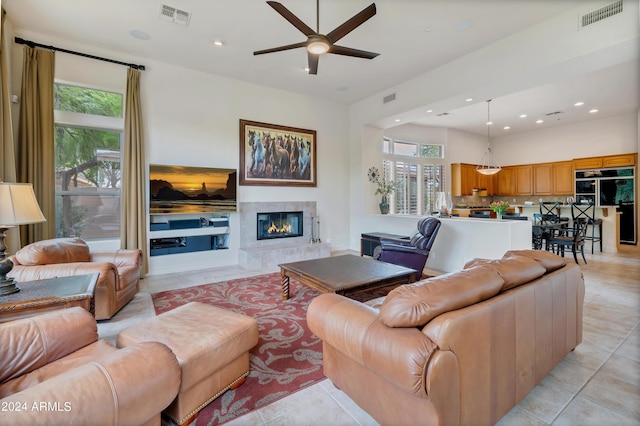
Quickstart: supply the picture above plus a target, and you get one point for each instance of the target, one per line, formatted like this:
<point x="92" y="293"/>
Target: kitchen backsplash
<point x="478" y="201"/>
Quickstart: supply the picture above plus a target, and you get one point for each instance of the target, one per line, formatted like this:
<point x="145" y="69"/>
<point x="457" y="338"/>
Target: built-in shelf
<point x="187" y="233"/>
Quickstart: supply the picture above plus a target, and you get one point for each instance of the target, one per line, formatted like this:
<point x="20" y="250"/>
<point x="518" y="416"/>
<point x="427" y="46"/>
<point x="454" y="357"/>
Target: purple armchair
<point x="412" y="253"/>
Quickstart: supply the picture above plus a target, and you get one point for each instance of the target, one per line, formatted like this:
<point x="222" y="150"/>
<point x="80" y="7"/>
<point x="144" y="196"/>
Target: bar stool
<point x="587" y="212"/>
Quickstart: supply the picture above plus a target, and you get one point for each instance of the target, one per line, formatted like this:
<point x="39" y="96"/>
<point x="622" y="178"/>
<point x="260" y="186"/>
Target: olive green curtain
<point x="36" y="139"/>
<point x="7" y="149"/>
<point x="133" y="227"/>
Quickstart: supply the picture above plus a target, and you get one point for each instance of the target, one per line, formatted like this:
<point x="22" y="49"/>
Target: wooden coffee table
<point x="37" y="297"/>
<point x="344" y="274"/>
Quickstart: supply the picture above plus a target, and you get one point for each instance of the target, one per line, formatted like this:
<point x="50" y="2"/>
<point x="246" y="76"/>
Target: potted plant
<point x="385" y="188"/>
<point x="499" y="207"/>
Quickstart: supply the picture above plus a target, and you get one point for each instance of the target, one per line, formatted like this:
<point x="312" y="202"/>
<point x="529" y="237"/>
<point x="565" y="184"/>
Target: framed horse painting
<point x="273" y="155"/>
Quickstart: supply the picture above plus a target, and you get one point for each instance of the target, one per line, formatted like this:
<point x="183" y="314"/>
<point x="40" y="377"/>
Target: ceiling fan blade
<point x="347" y="51"/>
<point x="352" y="23"/>
<point x="293" y="19"/>
<point x="281" y="48"/>
<point x="313" y="62"/>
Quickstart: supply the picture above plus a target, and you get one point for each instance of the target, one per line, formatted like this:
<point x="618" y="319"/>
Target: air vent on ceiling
<point x="389" y="98"/>
<point x="549" y="114"/>
<point x="600" y="14"/>
<point x="177" y="16"/>
<point x="442" y="114"/>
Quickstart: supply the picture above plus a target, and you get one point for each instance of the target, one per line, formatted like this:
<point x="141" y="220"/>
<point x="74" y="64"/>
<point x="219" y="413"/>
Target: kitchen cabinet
<point x="488" y="182"/>
<point x="587" y="163"/>
<point x="524" y="180"/>
<point x="506" y="181"/>
<point x="619" y="160"/>
<point x="563" y="178"/>
<point x="465" y="178"/>
<point x="543" y="179"/>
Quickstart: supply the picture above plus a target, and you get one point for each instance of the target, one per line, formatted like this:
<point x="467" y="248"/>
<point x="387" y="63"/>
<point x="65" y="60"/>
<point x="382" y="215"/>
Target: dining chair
<point x="573" y="237"/>
<point x="587" y="211"/>
<point x="550" y="211"/>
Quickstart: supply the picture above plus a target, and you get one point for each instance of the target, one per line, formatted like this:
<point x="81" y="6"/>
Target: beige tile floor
<point x="597" y="384"/>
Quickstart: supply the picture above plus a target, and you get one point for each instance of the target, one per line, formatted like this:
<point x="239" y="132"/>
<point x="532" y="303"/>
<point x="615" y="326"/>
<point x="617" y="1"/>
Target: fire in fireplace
<point x="279" y="225"/>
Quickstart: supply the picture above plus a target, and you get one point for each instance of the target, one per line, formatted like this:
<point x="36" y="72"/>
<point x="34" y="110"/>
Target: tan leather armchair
<point x="54" y="370"/>
<point x="119" y="270"/>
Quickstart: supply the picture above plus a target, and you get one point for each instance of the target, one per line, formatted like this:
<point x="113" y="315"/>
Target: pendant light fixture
<point x="488" y="164"/>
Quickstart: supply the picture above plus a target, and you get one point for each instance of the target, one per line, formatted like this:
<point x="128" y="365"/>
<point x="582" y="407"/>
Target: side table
<point x="37" y="297"/>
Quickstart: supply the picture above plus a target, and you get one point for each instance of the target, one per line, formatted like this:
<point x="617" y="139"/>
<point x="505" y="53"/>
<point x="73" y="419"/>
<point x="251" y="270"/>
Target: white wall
<point x="192" y="118"/>
<point x="607" y="136"/>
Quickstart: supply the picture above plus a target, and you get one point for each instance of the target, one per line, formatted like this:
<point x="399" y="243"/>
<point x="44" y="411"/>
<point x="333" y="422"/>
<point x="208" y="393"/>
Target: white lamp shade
<point x="18" y="205"/>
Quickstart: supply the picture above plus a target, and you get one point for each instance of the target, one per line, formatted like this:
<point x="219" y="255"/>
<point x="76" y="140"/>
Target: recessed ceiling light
<point x="523" y="115"/>
<point x="140" y="35"/>
<point x="506" y="127"/>
<point x="469" y="99"/>
<point x="306" y="69"/>
<point x="578" y="104"/>
<point x="489" y="123"/>
<point x="593" y="110"/>
<point x="217" y="42"/>
<point x="397" y="120"/>
<point x="429" y="110"/>
<point x="539" y="121"/>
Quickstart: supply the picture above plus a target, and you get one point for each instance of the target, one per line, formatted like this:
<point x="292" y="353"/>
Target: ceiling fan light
<point x="318" y="47"/>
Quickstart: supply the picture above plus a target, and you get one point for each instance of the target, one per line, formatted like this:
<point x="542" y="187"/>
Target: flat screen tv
<point x="188" y="189"/>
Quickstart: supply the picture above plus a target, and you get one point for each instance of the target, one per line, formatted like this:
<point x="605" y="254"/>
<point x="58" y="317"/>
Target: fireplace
<point x="279" y="225"/>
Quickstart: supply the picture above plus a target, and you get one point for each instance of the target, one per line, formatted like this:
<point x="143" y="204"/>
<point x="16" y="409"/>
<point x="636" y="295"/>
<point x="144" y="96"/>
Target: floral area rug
<point x="288" y="356"/>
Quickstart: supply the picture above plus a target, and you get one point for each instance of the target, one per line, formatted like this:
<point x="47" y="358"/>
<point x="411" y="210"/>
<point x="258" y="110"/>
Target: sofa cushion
<point x="414" y="305"/>
<point x="515" y="270"/>
<point x="57" y="250"/>
<point x="548" y="260"/>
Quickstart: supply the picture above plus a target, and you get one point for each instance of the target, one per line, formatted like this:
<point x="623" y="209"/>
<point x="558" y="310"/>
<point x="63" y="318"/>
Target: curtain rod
<point x="33" y="44"/>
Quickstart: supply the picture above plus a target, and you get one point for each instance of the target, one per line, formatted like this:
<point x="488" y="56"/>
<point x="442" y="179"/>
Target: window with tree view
<point x="88" y="135"/>
<point x="419" y="171"/>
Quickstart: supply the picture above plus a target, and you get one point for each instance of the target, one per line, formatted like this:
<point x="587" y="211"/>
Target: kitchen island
<point x="462" y="239"/>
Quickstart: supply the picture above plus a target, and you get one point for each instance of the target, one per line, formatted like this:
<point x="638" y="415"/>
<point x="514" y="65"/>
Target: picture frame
<point x="274" y="155"/>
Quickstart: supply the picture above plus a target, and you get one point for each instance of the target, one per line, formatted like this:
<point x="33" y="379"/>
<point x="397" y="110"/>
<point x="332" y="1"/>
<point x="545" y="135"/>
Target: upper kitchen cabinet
<point x="619" y="160"/>
<point x="524" y="180"/>
<point x="587" y="163"/>
<point x="488" y="182"/>
<point x="507" y="181"/>
<point x="465" y="178"/>
<point x="543" y="179"/>
<point x="563" y="178"/>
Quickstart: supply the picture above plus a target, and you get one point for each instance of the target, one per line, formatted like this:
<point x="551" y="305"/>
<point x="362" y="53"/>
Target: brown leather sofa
<point x="459" y="349"/>
<point x="119" y="270"/>
<point x="54" y="370"/>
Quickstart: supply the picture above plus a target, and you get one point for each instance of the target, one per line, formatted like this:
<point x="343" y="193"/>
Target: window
<point x="420" y="172"/>
<point x="88" y="139"/>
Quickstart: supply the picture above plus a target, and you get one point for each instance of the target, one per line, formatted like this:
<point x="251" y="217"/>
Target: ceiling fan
<point x="317" y="43"/>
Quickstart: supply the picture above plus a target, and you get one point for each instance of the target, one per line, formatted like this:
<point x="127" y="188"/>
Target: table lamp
<point x="18" y="206"/>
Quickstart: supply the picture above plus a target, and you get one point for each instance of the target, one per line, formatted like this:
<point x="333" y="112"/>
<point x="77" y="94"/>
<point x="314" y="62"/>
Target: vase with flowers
<point x="499" y="207"/>
<point x="385" y="188"/>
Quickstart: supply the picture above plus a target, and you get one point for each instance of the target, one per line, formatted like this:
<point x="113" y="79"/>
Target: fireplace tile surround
<point x="256" y="254"/>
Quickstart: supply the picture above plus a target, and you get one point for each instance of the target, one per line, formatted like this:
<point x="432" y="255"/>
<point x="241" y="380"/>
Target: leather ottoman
<point x="212" y="347"/>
